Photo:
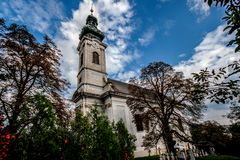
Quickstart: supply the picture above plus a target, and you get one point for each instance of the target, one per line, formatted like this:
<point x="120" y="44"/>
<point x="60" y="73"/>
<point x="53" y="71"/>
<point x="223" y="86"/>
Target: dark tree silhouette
<point x="210" y="134"/>
<point x="27" y="67"/>
<point x="234" y="114"/>
<point x="166" y="102"/>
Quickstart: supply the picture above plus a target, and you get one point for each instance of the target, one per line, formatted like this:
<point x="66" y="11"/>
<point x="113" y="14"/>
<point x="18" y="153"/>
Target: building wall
<point x="92" y="80"/>
<point x="120" y="110"/>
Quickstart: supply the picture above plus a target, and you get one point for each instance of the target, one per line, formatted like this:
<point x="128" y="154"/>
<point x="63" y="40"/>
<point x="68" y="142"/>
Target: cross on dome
<point x="91" y="10"/>
<point x="90" y="28"/>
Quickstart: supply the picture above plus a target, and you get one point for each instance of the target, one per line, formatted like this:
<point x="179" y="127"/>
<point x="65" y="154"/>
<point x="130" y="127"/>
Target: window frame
<point x="95" y="58"/>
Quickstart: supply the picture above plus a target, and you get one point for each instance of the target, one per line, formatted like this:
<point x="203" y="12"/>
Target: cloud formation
<point x="147" y="36"/>
<point x="125" y="76"/>
<point x="199" y="7"/>
<point x="181" y="55"/>
<point x="48" y="17"/>
<point x="114" y="20"/>
<point x="211" y="53"/>
<point x="41" y="15"/>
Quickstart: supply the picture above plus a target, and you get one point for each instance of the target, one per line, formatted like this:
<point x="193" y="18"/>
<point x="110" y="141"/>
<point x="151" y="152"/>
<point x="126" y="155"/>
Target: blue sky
<point x="184" y="33"/>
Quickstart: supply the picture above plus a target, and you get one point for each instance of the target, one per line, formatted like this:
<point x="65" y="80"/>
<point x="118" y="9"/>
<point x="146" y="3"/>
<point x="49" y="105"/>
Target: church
<point x="94" y="86"/>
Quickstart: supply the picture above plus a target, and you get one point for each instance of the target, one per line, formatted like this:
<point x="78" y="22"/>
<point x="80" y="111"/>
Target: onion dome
<point x="90" y="28"/>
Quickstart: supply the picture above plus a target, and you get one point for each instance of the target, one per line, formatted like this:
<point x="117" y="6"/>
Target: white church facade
<point x="94" y="86"/>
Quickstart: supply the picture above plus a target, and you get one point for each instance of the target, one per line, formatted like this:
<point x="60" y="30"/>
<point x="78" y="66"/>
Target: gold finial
<point x="91" y="10"/>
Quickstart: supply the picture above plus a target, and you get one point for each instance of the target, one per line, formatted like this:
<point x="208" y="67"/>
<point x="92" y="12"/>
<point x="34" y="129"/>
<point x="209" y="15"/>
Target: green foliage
<point x="41" y="137"/>
<point x="93" y="137"/>
<point x="78" y="142"/>
<point x="88" y="137"/>
<point x="104" y="142"/>
<point x="125" y="141"/>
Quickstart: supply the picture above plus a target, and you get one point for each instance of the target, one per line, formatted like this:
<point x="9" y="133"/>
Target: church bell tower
<point x="92" y="66"/>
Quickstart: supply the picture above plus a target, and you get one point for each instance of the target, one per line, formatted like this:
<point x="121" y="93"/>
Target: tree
<point x="210" y="134"/>
<point x="220" y="86"/>
<point x="5" y="139"/>
<point x="42" y="137"/>
<point x="125" y="140"/>
<point x="166" y="102"/>
<point x="27" y="67"/>
<point x="94" y="137"/>
<point x="234" y="114"/>
<point x="235" y="139"/>
<point x="79" y="145"/>
<point x="104" y="142"/>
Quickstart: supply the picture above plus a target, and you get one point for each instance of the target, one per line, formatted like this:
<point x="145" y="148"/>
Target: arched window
<point x="95" y="58"/>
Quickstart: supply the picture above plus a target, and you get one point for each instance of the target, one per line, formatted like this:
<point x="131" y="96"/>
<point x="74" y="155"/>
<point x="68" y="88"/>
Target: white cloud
<point x="41" y="15"/>
<point x="182" y="55"/>
<point x="199" y="7"/>
<point x="147" y="36"/>
<point x="125" y="76"/>
<point x="114" y="19"/>
<point x="211" y="53"/>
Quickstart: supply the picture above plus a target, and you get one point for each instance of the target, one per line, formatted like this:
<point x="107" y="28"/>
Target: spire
<point x="91" y="10"/>
<point x="91" y="20"/>
<point x="90" y="27"/>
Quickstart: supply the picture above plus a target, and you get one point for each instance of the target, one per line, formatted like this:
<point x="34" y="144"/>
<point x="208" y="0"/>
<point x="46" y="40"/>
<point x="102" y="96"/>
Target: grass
<point x="220" y="157"/>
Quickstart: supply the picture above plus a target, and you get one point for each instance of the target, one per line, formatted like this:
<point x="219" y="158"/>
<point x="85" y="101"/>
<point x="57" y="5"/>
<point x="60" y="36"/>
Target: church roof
<point x="118" y="89"/>
<point x="119" y="86"/>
